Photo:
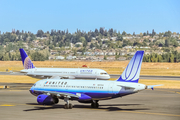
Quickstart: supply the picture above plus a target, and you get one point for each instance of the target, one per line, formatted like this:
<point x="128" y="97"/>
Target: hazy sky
<point x="123" y="15"/>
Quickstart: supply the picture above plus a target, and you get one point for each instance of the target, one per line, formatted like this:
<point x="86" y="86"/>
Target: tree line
<point x="172" y="57"/>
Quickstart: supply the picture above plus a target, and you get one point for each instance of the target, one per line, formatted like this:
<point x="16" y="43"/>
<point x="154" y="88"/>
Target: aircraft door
<point x="77" y="73"/>
<point x="110" y="88"/>
<point x="40" y="85"/>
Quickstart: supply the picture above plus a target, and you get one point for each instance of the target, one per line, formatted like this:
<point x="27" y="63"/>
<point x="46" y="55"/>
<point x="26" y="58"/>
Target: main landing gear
<point x="67" y="105"/>
<point x="94" y="104"/>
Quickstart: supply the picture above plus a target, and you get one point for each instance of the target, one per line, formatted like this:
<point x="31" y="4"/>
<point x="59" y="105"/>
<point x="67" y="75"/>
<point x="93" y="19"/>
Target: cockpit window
<point x="34" y="85"/>
<point x="103" y="73"/>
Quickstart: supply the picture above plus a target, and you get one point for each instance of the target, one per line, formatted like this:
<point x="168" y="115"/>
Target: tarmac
<point x="114" y="76"/>
<point x="17" y="103"/>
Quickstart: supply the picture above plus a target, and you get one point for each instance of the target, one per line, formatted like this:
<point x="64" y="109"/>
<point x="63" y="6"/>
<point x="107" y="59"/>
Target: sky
<point x="123" y="15"/>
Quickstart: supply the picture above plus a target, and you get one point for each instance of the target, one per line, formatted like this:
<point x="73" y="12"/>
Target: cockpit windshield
<point x="103" y="73"/>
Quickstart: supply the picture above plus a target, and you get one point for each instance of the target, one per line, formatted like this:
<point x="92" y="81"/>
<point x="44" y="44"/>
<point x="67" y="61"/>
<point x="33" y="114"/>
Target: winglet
<point x="132" y="71"/>
<point x="27" y="63"/>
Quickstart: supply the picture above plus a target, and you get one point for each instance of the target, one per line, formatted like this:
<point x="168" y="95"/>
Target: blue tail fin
<point x="27" y="63"/>
<point x="132" y="71"/>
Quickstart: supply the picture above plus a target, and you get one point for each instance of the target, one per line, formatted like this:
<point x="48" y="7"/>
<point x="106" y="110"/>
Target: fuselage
<point x="90" y="89"/>
<point x="72" y="73"/>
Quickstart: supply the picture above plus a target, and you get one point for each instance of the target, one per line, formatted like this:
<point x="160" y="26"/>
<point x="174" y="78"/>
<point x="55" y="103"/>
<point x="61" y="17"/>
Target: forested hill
<point x="105" y="44"/>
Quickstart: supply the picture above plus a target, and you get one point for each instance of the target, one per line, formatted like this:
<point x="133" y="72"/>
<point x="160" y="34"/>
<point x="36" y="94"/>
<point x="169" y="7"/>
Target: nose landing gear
<point x="67" y="105"/>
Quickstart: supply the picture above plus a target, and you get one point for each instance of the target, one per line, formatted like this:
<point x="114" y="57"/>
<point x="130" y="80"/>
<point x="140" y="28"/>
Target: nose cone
<point x="108" y="77"/>
<point x="32" y="90"/>
<point x="104" y="77"/>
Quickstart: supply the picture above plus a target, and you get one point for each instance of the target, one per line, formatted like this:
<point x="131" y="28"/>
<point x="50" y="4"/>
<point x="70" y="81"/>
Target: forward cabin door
<point x="110" y="88"/>
<point x="77" y="73"/>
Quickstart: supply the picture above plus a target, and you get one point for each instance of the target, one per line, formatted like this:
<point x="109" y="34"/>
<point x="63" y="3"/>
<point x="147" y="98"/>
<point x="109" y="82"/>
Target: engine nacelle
<point x="47" y="100"/>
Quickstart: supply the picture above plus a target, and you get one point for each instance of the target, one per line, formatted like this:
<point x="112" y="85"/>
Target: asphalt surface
<point x="159" y="104"/>
<point x="153" y="77"/>
<point x="114" y="76"/>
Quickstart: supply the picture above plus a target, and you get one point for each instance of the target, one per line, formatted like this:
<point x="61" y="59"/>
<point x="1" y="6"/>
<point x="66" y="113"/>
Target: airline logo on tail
<point x="27" y="63"/>
<point x="132" y="71"/>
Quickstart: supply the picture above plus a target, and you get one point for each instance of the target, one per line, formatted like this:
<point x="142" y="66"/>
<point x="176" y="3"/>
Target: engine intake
<point x="47" y="100"/>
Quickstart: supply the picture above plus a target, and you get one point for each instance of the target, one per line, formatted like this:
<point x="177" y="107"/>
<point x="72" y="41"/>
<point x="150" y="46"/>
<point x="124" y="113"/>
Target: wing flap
<point x="59" y="94"/>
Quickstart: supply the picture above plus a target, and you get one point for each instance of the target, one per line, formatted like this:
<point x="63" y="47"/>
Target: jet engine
<point x="47" y="100"/>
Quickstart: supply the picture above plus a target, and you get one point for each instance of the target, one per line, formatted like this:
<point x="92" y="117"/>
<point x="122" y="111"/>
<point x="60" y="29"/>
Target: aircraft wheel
<point x="94" y="105"/>
<point x="65" y="106"/>
<point x="70" y="106"/>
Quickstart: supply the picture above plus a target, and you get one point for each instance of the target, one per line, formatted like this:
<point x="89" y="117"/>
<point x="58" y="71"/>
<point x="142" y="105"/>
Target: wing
<point x="126" y="87"/>
<point x="59" y="94"/>
<point x="41" y="75"/>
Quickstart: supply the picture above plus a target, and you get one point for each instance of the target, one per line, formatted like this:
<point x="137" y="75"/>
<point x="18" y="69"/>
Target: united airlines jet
<point x="49" y="91"/>
<point x="66" y="73"/>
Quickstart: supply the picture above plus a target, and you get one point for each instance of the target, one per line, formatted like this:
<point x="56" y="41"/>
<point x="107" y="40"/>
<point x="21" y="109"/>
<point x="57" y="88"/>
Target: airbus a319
<point x="49" y="91"/>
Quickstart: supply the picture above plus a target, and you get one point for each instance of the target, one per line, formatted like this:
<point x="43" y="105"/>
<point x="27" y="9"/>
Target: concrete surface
<point x="160" y="104"/>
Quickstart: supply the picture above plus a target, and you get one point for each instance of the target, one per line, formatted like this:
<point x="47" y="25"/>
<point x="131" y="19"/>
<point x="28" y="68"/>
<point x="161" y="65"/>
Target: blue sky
<point x="123" y="15"/>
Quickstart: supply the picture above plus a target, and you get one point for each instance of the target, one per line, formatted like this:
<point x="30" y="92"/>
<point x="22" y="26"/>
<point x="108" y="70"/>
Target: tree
<point x="144" y="34"/>
<point x="167" y="42"/>
<point x="134" y="34"/>
<point x="124" y="33"/>
<point x="39" y="33"/>
<point x="17" y="32"/>
<point x="171" y="58"/>
<point x="96" y="32"/>
<point x="119" y="38"/>
<point x="153" y="33"/>
<point x="147" y="32"/>
<point x="105" y="57"/>
<point x="101" y="30"/>
<point x="92" y="45"/>
<point x="36" y="56"/>
<point x="167" y="34"/>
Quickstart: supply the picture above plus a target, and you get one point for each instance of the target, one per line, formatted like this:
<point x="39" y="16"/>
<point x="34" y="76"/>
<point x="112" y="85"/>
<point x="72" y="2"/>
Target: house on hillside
<point x="111" y="58"/>
<point x="121" y="58"/>
<point x="59" y="58"/>
<point x="52" y="57"/>
<point x="175" y="36"/>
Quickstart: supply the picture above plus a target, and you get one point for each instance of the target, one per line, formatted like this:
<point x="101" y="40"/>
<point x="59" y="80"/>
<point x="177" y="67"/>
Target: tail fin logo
<point x="28" y="64"/>
<point x="132" y="71"/>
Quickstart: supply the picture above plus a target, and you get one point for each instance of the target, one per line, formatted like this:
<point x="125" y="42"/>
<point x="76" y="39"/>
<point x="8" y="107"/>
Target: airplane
<point x="49" y="91"/>
<point x="65" y="73"/>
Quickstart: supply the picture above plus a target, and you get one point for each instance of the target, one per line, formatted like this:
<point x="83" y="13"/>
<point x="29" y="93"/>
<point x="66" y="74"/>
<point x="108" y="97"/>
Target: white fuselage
<point x="96" y="89"/>
<point x="81" y="73"/>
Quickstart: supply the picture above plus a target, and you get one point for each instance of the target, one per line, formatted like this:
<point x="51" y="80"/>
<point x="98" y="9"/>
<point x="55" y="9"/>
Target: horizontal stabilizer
<point x="152" y="86"/>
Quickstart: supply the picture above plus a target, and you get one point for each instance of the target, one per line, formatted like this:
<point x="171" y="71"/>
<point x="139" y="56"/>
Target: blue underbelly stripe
<point x="74" y="91"/>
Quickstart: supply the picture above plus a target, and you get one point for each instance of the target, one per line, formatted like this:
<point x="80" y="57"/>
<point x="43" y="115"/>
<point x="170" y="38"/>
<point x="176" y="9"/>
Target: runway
<point x="115" y="76"/>
<point x="153" y="77"/>
<point x="160" y="104"/>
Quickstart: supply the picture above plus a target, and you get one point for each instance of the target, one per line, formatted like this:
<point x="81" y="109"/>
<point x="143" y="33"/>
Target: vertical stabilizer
<point x="132" y="71"/>
<point x="27" y="63"/>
